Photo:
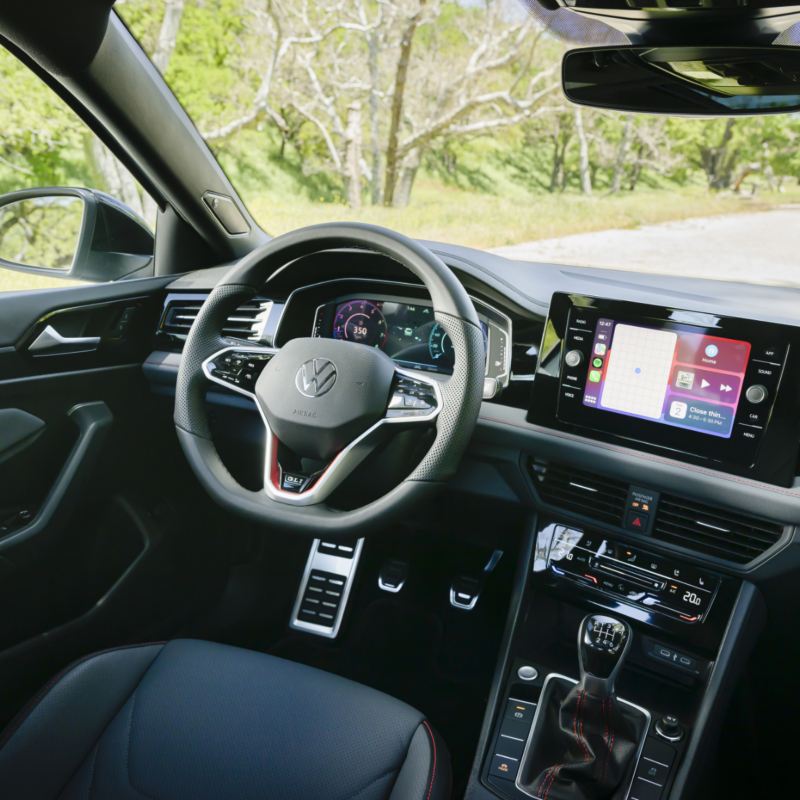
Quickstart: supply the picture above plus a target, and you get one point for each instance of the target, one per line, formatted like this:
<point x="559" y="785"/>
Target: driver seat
<point x="200" y="721"/>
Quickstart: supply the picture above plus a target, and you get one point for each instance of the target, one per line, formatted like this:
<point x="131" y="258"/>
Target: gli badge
<point x="316" y="377"/>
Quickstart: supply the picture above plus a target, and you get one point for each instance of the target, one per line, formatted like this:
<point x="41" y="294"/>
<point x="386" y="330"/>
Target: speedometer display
<point x="360" y="321"/>
<point x="406" y="331"/>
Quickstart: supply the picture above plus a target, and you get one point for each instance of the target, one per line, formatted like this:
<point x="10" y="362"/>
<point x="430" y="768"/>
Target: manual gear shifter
<point x="584" y="743"/>
<point x="603" y="643"/>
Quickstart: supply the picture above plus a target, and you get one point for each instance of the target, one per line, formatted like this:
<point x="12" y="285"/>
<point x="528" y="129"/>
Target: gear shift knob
<point x="603" y="643"/>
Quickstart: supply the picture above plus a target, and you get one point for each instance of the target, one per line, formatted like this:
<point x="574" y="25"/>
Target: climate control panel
<point x="659" y="584"/>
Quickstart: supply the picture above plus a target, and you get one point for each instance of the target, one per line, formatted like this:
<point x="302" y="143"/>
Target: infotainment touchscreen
<point x="675" y="377"/>
<point x="692" y="385"/>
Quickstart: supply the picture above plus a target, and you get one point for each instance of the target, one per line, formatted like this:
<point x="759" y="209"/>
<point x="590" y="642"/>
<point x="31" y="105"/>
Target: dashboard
<point x="537" y="404"/>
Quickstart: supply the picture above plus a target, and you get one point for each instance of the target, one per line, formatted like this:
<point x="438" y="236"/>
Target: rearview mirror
<point x="701" y="81"/>
<point x="77" y="233"/>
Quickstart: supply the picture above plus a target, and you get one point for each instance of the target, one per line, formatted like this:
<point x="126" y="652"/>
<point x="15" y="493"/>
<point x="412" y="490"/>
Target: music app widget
<point x="689" y="380"/>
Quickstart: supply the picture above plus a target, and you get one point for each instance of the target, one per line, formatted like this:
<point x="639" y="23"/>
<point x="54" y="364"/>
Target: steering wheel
<point x="327" y="404"/>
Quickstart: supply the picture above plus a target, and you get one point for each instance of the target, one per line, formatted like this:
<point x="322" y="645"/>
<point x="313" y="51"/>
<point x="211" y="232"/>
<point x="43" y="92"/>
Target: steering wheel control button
<point x="410" y="398"/>
<point x="238" y="368"/>
<point x="574" y="358"/>
<point x="756" y="393"/>
<point x="669" y="728"/>
<point x="527" y="673"/>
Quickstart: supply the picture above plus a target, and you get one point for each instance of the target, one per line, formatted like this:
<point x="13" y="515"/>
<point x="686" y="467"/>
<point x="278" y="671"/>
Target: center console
<point x="613" y="664"/>
<point x="704" y="388"/>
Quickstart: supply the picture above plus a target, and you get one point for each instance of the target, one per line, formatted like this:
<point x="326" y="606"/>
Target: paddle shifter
<point x="584" y="742"/>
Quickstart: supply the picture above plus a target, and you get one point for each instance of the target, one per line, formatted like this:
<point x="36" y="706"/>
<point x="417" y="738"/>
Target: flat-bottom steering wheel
<point x="326" y="404"/>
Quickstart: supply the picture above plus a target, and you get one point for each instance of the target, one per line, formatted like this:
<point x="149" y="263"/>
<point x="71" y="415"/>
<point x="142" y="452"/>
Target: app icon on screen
<point x="678" y="410"/>
<point x="684" y="379"/>
<point x="595" y="375"/>
<point x="599" y="349"/>
<point x="712" y="351"/>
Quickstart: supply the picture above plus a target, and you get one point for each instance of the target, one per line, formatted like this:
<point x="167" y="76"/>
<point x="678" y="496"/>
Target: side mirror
<point x="697" y="81"/>
<point x="79" y="233"/>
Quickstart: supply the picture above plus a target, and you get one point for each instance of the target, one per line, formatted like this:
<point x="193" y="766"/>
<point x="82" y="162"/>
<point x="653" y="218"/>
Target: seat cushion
<point x="205" y="721"/>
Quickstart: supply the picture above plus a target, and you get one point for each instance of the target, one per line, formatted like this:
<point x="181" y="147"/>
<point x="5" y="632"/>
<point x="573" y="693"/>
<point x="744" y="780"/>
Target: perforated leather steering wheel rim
<point x="460" y="395"/>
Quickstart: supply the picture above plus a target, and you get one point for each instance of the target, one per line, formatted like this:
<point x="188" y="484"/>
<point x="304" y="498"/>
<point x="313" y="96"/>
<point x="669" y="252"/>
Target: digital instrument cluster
<point x="407" y="331"/>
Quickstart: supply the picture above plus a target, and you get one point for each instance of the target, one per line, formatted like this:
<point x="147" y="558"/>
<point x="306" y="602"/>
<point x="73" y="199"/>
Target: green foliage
<point x="219" y="61"/>
<point x="42" y="142"/>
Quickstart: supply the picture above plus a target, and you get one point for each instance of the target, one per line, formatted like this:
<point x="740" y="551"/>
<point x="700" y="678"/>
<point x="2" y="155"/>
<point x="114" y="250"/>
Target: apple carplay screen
<point x="673" y="377"/>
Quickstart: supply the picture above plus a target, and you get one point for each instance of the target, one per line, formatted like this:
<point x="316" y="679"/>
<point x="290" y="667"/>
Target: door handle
<point x="51" y="342"/>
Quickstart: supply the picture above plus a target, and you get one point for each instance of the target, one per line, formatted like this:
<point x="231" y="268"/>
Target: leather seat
<point x="203" y="721"/>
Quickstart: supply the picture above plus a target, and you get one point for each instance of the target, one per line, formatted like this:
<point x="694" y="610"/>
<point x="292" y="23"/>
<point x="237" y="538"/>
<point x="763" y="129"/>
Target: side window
<point x="69" y="210"/>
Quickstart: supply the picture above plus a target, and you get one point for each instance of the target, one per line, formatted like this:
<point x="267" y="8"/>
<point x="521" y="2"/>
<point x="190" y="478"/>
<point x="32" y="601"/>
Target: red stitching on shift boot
<point x="553" y="775"/>
<point x="587" y="755"/>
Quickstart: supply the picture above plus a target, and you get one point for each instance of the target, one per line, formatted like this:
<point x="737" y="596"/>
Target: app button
<point x="684" y="379"/>
<point x="595" y="375"/>
<point x="597" y="363"/>
<point x="600" y="349"/>
<point x="678" y="410"/>
<point x="712" y="351"/>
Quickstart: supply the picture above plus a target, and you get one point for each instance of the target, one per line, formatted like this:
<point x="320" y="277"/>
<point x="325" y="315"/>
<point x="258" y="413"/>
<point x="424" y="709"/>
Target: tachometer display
<point x="360" y="321"/>
<point x="441" y="348"/>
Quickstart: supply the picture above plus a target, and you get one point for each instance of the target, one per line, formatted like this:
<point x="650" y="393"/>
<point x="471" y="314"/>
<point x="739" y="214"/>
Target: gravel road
<point x="762" y="247"/>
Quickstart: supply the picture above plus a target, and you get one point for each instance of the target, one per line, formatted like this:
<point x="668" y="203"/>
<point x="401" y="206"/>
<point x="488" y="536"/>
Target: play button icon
<point x="704" y="384"/>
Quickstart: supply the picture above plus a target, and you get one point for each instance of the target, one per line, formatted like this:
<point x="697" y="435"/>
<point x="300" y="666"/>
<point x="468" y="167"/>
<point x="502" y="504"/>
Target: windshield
<point x="446" y="121"/>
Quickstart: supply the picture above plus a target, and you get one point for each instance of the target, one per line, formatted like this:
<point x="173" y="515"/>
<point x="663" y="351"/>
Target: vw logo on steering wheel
<point x="316" y="377"/>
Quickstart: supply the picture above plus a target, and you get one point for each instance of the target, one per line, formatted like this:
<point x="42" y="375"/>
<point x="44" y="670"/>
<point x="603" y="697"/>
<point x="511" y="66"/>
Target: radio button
<point x="582" y="321"/>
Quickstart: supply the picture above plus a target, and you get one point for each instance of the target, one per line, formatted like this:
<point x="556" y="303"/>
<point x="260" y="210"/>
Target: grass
<point x="13" y="281"/>
<point x="452" y="214"/>
<point x="449" y="214"/>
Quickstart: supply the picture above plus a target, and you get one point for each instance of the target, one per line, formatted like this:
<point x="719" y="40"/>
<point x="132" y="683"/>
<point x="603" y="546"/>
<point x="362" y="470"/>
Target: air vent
<point x="247" y="322"/>
<point x="723" y="534"/>
<point x="582" y="492"/>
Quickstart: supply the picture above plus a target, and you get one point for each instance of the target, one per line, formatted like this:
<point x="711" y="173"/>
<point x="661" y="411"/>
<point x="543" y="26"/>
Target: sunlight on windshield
<point x="446" y="120"/>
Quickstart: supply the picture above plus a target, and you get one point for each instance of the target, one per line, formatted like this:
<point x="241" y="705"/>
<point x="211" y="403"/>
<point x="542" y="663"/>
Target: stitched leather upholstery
<point x="205" y="721"/>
